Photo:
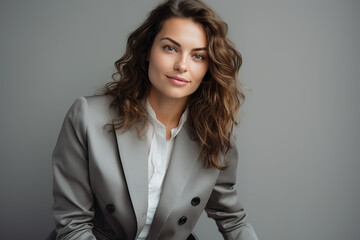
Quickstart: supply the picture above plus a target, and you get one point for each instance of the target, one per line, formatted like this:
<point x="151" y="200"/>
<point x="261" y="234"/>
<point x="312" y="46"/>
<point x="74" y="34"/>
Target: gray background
<point x="299" y="138"/>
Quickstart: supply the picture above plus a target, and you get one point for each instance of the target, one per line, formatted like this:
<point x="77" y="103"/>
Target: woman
<point x="143" y="160"/>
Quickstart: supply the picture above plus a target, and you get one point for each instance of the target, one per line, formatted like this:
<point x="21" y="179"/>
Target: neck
<point x="168" y="111"/>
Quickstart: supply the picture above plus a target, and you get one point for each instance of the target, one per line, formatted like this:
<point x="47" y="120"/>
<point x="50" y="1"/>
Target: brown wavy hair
<point x="212" y="108"/>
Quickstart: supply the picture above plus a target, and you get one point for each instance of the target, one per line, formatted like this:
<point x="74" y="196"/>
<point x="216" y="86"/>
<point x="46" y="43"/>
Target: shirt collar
<point x="158" y="124"/>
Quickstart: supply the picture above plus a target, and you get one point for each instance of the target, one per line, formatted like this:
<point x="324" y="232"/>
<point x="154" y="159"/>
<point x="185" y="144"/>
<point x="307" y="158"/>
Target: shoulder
<point x="92" y="109"/>
<point x="95" y="104"/>
<point x="97" y="101"/>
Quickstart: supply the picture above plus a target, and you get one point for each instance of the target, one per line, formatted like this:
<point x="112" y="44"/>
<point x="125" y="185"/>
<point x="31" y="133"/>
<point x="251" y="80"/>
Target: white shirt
<point x="159" y="150"/>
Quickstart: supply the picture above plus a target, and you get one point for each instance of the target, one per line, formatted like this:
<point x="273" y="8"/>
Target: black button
<point x="110" y="208"/>
<point x="195" y="201"/>
<point x="182" y="220"/>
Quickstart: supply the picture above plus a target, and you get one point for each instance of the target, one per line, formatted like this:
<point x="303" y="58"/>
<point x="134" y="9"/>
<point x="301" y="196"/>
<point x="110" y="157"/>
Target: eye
<point x="169" y="48"/>
<point x="199" y="57"/>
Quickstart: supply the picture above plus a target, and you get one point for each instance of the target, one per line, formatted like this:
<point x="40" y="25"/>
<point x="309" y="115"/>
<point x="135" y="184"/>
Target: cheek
<point x="199" y="72"/>
<point x="158" y="62"/>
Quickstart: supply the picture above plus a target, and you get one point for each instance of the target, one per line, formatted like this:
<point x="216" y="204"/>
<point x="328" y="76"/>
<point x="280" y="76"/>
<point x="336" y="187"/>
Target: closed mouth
<point x="178" y="78"/>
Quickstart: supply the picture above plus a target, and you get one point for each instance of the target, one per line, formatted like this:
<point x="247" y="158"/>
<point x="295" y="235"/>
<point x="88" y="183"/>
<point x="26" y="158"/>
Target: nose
<point x="181" y="64"/>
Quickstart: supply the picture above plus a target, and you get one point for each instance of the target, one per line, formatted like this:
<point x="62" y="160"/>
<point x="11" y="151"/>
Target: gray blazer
<point x="101" y="185"/>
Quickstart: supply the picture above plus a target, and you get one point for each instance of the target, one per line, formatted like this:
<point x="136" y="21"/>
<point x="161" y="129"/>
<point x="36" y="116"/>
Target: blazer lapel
<point x="184" y="156"/>
<point x="134" y="158"/>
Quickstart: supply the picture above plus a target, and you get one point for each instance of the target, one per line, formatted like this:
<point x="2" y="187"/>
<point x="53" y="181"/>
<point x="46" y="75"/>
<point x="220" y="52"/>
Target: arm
<point x="224" y="207"/>
<point x="73" y="199"/>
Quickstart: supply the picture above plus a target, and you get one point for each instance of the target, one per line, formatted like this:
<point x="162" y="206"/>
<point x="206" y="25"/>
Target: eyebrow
<point x="179" y="45"/>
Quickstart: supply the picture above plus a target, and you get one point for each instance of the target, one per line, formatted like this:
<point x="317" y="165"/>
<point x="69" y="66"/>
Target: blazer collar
<point x="184" y="156"/>
<point x="134" y="158"/>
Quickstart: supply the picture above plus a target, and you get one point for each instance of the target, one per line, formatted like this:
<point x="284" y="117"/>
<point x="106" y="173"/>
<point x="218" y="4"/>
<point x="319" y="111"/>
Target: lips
<point x="179" y="79"/>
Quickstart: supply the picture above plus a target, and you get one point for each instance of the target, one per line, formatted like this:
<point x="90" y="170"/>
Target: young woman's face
<point x="178" y="59"/>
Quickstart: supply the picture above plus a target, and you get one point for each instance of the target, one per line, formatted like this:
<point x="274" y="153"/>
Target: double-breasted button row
<point x="110" y="208"/>
<point x="195" y="201"/>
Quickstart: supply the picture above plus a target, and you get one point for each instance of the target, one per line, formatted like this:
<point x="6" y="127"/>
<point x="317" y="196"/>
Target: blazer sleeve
<point x="73" y="200"/>
<point x="224" y="207"/>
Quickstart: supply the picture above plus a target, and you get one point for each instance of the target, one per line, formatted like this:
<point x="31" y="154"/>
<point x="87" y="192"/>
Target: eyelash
<point x="198" y="57"/>
<point x="169" y="48"/>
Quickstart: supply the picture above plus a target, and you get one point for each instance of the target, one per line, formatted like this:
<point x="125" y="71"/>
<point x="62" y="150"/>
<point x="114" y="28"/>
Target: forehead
<point x="184" y="31"/>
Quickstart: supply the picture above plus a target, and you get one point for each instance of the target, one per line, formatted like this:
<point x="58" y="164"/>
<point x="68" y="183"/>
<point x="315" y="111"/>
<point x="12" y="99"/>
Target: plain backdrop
<point x="299" y="137"/>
